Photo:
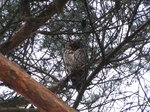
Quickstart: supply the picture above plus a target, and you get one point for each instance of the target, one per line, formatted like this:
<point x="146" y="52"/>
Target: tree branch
<point x="21" y="82"/>
<point x="29" y="27"/>
<point x="117" y="49"/>
<point x="104" y="63"/>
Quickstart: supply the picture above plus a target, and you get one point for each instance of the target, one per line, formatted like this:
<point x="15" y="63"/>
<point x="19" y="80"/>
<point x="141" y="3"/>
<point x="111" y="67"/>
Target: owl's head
<point x="74" y="44"/>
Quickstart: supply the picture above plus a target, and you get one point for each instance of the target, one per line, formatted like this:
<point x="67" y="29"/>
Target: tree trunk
<point x="21" y="82"/>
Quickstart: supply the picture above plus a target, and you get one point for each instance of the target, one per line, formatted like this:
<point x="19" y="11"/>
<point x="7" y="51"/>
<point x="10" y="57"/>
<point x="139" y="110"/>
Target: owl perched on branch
<point x="76" y="60"/>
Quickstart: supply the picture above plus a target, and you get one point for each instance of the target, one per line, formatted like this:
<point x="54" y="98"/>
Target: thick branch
<point x="29" y="27"/>
<point x="37" y="94"/>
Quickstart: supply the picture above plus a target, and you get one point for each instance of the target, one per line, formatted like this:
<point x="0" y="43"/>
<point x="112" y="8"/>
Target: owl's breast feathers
<point x="76" y="60"/>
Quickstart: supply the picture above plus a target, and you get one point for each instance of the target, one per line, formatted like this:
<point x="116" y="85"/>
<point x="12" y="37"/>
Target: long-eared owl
<point x="76" y="60"/>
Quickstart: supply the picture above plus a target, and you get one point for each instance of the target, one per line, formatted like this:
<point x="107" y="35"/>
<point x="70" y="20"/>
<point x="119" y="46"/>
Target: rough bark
<point x="30" y="26"/>
<point x="18" y="79"/>
<point x="21" y="82"/>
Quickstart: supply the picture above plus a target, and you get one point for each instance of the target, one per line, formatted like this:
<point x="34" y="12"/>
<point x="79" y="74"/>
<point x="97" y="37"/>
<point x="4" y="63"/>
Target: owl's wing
<point x="81" y="58"/>
<point x="68" y="60"/>
<point x="75" y="63"/>
<point x="81" y="61"/>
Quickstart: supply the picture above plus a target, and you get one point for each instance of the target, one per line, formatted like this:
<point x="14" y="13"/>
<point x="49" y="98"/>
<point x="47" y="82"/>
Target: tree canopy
<point x="116" y="34"/>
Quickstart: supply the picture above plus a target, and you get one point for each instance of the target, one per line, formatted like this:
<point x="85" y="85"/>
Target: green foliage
<point x="114" y="77"/>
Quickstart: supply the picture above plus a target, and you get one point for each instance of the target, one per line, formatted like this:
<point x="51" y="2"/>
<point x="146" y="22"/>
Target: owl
<point x="76" y="60"/>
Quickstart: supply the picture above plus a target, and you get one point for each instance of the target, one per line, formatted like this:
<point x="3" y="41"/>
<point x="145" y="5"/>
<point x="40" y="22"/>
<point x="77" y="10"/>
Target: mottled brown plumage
<point x="76" y="60"/>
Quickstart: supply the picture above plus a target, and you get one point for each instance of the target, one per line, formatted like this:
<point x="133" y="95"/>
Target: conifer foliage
<point x="116" y="36"/>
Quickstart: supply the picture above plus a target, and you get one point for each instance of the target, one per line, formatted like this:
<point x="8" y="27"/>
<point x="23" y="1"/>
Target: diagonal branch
<point x="21" y="82"/>
<point x="29" y="27"/>
<point x="106" y="62"/>
<point x="116" y="50"/>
